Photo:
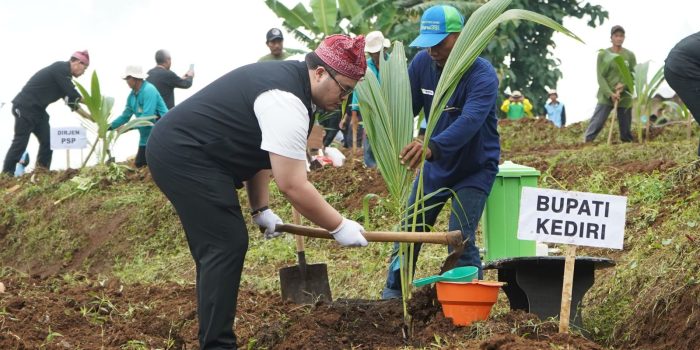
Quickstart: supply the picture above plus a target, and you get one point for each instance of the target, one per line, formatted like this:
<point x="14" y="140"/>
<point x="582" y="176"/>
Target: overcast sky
<point x="218" y="36"/>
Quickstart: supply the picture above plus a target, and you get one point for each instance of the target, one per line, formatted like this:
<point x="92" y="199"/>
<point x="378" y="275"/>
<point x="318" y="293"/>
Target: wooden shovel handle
<point x="296" y="218"/>
<point x="452" y="238"/>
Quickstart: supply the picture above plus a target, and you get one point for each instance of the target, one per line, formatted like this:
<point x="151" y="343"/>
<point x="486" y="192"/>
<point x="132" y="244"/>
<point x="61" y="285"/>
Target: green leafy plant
<point x="100" y="109"/>
<point x="521" y="51"/>
<point x="646" y="90"/>
<point x="388" y="114"/>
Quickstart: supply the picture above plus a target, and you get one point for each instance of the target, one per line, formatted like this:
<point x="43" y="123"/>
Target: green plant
<point x="50" y="337"/>
<point x="83" y="184"/>
<point x="388" y="115"/>
<point x="521" y="51"/>
<point x="644" y="99"/>
<point x="100" y="108"/>
<point x="134" y="345"/>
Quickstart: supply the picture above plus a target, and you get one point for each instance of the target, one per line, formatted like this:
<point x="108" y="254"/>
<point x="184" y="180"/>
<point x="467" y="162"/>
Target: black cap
<point x="617" y="29"/>
<point x="273" y="34"/>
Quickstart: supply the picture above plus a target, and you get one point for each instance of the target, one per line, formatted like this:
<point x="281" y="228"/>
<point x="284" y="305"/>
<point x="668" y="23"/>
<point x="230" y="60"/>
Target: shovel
<point x="453" y="239"/>
<point x="303" y="283"/>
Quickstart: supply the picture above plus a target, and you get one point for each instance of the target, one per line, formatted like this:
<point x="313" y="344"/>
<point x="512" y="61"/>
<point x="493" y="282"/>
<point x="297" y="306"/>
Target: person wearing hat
<point x="250" y="125"/>
<point x="517" y="106"/>
<point x="29" y="107"/>
<point x="143" y="101"/>
<point x="166" y="80"/>
<point x="556" y="113"/>
<point x="275" y="42"/>
<point x="611" y="89"/>
<point x="464" y="150"/>
<point x="682" y="72"/>
<point x="375" y="43"/>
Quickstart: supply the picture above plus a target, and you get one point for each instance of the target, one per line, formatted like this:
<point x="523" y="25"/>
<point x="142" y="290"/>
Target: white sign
<point x="70" y="137"/>
<point x="577" y="218"/>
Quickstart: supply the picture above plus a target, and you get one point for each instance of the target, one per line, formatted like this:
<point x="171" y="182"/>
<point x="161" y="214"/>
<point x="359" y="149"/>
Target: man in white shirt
<point x="248" y="126"/>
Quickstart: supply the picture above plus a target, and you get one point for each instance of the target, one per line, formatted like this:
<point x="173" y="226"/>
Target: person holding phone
<point x="166" y="80"/>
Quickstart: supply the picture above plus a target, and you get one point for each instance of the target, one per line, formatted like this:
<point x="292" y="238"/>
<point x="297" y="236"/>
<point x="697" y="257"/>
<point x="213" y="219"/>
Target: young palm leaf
<point x="644" y="100"/>
<point x="388" y="120"/>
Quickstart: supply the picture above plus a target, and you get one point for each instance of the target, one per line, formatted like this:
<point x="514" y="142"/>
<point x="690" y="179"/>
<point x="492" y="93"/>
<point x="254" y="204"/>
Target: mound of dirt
<point x="52" y="313"/>
<point x="353" y="181"/>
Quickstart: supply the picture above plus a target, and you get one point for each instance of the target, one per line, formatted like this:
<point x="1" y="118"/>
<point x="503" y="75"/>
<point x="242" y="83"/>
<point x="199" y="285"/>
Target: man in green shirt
<point x="610" y="89"/>
<point x="275" y="42"/>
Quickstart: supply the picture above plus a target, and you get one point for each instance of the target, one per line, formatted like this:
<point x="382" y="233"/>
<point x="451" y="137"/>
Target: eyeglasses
<point x="343" y="90"/>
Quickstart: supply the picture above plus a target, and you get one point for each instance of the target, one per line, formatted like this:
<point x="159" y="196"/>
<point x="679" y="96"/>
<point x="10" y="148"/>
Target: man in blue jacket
<point x="464" y="150"/>
<point x="143" y="101"/>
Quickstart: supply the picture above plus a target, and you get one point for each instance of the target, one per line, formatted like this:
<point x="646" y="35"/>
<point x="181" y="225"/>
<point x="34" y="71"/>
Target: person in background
<point x="29" y="108"/>
<point x="556" y="113"/>
<point x="250" y="125"/>
<point x="22" y="164"/>
<point x="330" y="121"/>
<point x="517" y="106"/>
<point x="611" y="89"/>
<point x="682" y="72"/>
<point x="143" y="101"/>
<point x="375" y="45"/>
<point x="275" y="42"/>
<point x="464" y="149"/>
<point x="345" y="126"/>
<point x="166" y="80"/>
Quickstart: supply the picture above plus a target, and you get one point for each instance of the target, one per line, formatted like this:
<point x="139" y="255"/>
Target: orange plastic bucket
<point x="467" y="302"/>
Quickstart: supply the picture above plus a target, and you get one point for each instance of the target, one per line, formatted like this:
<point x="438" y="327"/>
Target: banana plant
<point x="99" y="110"/>
<point x="646" y="89"/>
<point x="388" y="115"/>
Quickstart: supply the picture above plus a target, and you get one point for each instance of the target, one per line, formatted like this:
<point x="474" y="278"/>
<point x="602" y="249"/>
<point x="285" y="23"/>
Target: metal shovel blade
<point x="305" y="287"/>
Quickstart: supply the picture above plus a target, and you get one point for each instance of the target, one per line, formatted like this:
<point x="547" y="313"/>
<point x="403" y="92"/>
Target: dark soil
<point x="353" y="181"/>
<point x="46" y="311"/>
<point x="54" y="314"/>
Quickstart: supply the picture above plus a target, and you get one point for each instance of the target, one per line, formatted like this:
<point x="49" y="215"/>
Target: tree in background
<point x="521" y="51"/>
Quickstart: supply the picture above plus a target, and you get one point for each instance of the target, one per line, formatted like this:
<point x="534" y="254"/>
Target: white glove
<point x="349" y="234"/>
<point x="268" y="220"/>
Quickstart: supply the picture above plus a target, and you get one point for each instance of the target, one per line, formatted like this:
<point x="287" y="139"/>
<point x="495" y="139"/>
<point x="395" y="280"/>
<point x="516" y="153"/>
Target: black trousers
<point x="140" y="160"/>
<point x="600" y="116"/>
<point x="330" y="123"/>
<point x="29" y="120"/>
<point x="217" y="237"/>
<point x="688" y="89"/>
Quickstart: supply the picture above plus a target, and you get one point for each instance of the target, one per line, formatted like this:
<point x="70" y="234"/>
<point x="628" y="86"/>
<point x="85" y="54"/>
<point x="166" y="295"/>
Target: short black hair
<point x="617" y="28"/>
<point x="313" y="62"/>
<point x="162" y="56"/>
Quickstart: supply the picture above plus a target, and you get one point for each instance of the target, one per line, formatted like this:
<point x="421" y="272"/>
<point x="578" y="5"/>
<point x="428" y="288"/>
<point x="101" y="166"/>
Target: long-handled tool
<point x="304" y="284"/>
<point x="453" y="239"/>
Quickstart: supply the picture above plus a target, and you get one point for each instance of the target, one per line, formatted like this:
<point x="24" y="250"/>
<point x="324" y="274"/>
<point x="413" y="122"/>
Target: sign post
<point x="573" y="218"/>
<point x="69" y="137"/>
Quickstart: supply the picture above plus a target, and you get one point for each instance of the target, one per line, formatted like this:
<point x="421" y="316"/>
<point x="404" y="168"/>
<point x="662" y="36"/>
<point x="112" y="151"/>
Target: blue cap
<point x="436" y="24"/>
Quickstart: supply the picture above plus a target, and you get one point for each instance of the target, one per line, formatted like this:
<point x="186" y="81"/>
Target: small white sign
<point x="70" y="137"/>
<point x="577" y="218"/>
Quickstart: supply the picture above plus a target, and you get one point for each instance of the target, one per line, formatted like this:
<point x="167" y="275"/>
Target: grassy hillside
<point x="111" y="223"/>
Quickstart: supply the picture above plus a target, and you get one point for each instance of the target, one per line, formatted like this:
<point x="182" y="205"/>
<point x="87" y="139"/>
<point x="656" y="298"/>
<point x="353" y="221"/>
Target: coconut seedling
<point x="388" y="115"/>
<point x="99" y="110"/>
<point x="646" y="89"/>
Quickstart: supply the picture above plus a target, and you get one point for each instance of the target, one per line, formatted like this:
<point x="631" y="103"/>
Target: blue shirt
<point x="355" y="105"/>
<point x="20" y="168"/>
<point x="465" y="143"/>
<point x="555" y="113"/>
<point x="146" y="102"/>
